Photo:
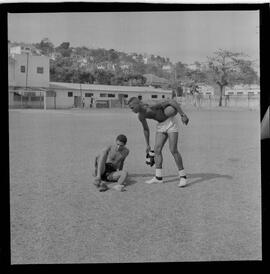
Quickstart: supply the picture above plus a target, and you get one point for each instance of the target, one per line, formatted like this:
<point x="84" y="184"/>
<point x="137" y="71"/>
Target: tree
<point x="45" y="46"/>
<point x="227" y="68"/>
<point x="64" y="49"/>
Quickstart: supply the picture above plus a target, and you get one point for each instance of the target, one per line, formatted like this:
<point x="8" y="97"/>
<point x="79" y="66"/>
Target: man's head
<point x="121" y="141"/>
<point x="134" y="104"/>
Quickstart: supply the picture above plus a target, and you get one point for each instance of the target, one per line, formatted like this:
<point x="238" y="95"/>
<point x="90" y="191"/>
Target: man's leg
<point x="99" y="167"/>
<point x="119" y="177"/>
<point x="173" y="140"/>
<point x="160" y="140"/>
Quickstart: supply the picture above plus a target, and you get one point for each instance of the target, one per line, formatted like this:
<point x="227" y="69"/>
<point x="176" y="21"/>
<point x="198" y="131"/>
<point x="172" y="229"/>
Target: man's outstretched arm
<point x="146" y="132"/>
<point x="122" y="161"/>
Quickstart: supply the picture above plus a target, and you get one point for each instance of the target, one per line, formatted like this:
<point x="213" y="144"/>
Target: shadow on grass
<point x="199" y="178"/>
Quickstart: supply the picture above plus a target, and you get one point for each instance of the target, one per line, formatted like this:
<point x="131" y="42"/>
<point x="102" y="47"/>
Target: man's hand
<point x="148" y="148"/>
<point x="184" y="119"/>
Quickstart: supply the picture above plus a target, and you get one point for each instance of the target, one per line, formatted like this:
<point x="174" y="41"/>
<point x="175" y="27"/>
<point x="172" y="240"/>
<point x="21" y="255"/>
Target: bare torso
<point x="115" y="156"/>
<point x="155" y="113"/>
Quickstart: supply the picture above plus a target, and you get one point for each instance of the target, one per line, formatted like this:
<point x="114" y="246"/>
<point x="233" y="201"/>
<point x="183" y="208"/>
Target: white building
<point x="243" y="90"/>
<point x="68" y="95"/>
<point x="28" y="71"/>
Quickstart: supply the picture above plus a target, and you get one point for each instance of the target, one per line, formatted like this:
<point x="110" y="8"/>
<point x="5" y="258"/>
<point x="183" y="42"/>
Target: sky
<point x="185" y="36"/>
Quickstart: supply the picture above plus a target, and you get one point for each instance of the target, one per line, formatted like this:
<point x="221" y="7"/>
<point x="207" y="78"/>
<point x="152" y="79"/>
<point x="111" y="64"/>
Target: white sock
<point x="182" y="173"/>
<point x="159" y="172"/>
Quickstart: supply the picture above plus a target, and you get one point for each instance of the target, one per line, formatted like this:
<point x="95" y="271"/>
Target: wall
<point x="34" y="79"/>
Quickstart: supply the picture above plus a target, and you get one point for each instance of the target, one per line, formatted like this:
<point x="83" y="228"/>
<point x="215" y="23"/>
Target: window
<point x="23" y="69"/>
<point x="39" y="69"/>
<point x="111" y="95"/>
<point x="103" y="95"/>
<point x="163" y="96"/>
<point x="140" y="97"/>
<point x="250" y="93"/>
<point x="239" y="92"/>
<point x="70" y="94"/>
<point x="153" y="96"/>
<point x="230" y="93"/>
<point x="89" y="94"/>
<point x="125" y="96"/>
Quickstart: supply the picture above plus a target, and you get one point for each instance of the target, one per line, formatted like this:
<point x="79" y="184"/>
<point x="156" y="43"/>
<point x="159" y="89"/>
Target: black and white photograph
<point x="135" y="133"/>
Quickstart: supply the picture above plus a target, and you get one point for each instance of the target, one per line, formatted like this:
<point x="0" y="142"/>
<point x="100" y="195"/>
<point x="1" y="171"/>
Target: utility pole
<point x="26" y="77"/>
<point x="81" y="95"/>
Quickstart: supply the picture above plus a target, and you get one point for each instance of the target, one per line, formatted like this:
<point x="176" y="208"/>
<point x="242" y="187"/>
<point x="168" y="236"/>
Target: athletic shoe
<point x="154" y="180"/>
<point x="103" y="187"/>
<point x="119" y="187"/>
<point x="183" y="181"/>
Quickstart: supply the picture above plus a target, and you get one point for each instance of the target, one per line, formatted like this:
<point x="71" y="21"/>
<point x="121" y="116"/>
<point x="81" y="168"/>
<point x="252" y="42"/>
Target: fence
<point x="230" y="101"/>
<point x="36" y="100"/>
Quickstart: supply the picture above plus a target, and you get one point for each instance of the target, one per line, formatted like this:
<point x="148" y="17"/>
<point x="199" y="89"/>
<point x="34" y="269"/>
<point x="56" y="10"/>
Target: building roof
<point x="107" y="88"/>
<point x="153" y="79"/>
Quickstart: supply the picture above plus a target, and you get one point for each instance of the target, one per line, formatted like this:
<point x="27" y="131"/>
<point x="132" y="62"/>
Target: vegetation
<point x="111" y="67"/>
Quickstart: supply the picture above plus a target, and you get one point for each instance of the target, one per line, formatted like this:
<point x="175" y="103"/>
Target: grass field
<point x="58" y="216"/>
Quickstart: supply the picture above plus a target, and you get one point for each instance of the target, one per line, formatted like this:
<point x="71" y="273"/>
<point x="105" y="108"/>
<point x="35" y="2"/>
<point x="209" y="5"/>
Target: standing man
<point x="167" y="128"/>
<point x="109" y="165"/>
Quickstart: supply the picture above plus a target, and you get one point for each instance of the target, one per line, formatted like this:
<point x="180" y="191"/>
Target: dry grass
<point x="58" y="216"/>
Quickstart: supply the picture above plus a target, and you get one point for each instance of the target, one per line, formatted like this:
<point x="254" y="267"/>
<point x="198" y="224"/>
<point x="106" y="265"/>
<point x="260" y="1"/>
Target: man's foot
<point x="183" y="181"/>
<point x="97" y="182"/>
<point x="154" y="180"/>
<point x="119" y="187"/>
<point x="103" y="187"/>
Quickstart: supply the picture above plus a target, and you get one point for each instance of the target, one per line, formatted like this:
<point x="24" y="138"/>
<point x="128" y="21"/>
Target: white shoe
<point x="154" y="180"/>
<point x="182" y="182"/>
<point x="118" y="187"/>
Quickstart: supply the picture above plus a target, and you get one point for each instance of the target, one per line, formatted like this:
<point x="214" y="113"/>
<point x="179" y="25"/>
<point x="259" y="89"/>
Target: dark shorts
<point x="109" y="169"/>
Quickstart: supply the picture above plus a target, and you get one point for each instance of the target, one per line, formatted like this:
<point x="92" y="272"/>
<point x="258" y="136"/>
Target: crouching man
<point x="109" y="165"/>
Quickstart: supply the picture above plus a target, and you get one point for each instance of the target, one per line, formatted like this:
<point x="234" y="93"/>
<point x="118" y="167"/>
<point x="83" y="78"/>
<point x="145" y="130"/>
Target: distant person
<point x="83" y="103"/>
<point x="196" y="95"/>
<point x="109" y="165"/>
<point x="91" y="102"/>
<point x="227" y="99"/>
<point x="167" y="128"/>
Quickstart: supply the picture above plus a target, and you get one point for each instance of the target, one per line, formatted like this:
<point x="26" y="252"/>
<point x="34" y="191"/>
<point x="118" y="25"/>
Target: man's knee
<point x="157" y="150"/>
<point x="124" y="173"/>
<point x="174" y="150"/>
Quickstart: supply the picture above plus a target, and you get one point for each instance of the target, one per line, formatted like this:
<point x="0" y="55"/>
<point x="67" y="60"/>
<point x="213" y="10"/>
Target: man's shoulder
<point x="141" y="116"/>
<point x="108" y="147"/>
<point x="126" y="150"/>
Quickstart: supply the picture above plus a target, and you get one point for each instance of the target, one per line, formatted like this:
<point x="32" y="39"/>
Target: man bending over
<point x="167" y="128"/>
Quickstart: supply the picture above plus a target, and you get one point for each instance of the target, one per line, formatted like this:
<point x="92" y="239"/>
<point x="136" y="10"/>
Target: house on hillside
<point x="155" y="81"/>
<point x="167" y="68"/>
<point x="23" y="49"/>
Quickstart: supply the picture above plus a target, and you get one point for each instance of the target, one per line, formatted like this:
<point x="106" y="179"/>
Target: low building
<point x="68" y="95"/>
<point x="243" y="90"/>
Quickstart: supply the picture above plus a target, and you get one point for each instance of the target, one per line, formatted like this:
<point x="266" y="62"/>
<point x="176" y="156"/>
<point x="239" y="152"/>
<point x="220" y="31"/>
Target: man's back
<point x="153" y="112"/>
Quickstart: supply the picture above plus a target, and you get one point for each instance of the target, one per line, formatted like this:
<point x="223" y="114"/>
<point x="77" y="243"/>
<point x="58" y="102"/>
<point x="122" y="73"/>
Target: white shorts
<point x="169" y="125"/>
